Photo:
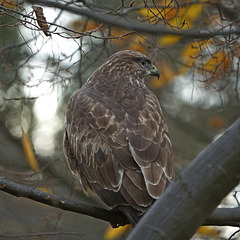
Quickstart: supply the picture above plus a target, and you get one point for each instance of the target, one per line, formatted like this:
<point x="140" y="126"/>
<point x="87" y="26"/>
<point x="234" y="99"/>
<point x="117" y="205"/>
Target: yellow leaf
<point x="193" y="12"/>
<point x="44" y="189"/>
<point x="219" y="60"/>
<point x="148" y="13"/>
<point x="85" y="26"/>
<point x="216" y="67"/>
<point x="29" y="152"/>
<point x="163" y="14"/>
<point x="216" y="122"/>
<point x="171" y="13"/>
<point x="113" y="233"/>
<point x="186" y="17"/>
<point x="190" y="54"/>
<point x="137" y="44"/>
<point x="169" y="40"/>
<point x="117" y="32"/>
<point x="9" y="3"/>
<point x="209" y="231"/>
<point x="180" y="17"/>
<point x="122" y="37"/>
<point x="166" y="13"/>
<point x="30" y="156"/>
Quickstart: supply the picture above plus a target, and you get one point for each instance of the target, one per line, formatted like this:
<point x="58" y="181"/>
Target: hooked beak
<point x="155" y="72"/>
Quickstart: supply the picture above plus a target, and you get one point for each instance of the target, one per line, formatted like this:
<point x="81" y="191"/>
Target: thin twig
<point x="234" y="234"/>
<point x="118" y="21"/>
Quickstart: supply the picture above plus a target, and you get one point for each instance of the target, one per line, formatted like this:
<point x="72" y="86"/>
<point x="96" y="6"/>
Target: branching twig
<point x="69" y="33"/>
<point x="118" y="21"/>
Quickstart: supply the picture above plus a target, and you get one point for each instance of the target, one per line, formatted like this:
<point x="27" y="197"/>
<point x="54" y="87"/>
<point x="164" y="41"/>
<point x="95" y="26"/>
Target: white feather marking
<point x="140" y="119"/>
<point x="76" y="148"/>
<point x="112" y="119"/>
<point x="164" y="170"/>
<point x="121" y="172"/>
<point x="130" y="80"/>
<point x="169" y="141"/>
<point x="105" y="150"/>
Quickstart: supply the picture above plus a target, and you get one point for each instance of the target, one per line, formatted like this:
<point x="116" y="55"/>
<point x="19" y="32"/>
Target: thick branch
<point x="220" y="217"/>
<point x="35" y="194"/>
<point x="200" y="188"/>
<point x="126" y="23"/>
<point x="224" y="217"/>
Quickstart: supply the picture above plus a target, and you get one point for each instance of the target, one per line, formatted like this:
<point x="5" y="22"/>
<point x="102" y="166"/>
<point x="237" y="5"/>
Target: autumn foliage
<point x="211" y="60"/>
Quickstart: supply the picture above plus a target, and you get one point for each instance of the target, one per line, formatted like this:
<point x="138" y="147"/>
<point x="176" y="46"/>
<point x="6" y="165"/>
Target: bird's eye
<point x="144" y="63"/>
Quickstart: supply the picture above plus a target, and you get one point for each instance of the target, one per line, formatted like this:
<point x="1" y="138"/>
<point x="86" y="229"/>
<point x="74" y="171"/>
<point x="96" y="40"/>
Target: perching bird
<point x="116" y="139"/>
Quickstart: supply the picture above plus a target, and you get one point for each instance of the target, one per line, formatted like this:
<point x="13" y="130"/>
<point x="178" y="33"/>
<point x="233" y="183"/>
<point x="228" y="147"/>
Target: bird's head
<point x="129" y="66"/>
<point x="147" y="67"/>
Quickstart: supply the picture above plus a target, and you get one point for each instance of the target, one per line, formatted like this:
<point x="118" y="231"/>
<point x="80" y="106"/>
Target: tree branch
<point x="220" y="217"/>
<point x="35" y="194"/>
<point x="199" y="189"/>
<point x="38" y="234"/>
<point x="127" y="23"/>
<point x="224" y="217"/>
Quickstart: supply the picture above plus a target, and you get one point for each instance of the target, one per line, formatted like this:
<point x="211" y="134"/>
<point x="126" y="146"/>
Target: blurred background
<point x="46" y="54"/>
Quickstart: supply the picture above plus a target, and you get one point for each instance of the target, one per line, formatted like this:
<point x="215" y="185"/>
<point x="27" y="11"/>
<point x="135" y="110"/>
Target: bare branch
<point x="224" y="217"/>
<point x="39" y="234"/>
<point x="35" y="194"/>
<point x="125" y="23"/>
<point x="220" y="217"/>
<point x="69" y="33"/>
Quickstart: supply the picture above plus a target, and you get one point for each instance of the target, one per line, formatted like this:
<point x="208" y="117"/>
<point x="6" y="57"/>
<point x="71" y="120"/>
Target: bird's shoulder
<point x="124" y="101"/>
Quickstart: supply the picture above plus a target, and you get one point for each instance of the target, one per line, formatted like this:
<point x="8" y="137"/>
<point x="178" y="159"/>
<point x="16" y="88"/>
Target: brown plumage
<point x="116" y="140"/>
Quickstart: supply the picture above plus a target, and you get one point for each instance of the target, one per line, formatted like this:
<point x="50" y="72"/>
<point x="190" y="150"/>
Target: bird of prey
<point x="116" y="139"/>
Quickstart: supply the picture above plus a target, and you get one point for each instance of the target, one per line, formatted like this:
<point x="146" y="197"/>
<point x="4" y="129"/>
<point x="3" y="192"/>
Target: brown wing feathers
<point x="118" y="145"/>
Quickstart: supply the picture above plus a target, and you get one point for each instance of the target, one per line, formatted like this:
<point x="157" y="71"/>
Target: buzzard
<point x="116" y="140"/>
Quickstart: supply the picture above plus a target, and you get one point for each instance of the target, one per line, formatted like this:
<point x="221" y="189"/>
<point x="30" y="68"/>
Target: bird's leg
<point x="118" y="212"/>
